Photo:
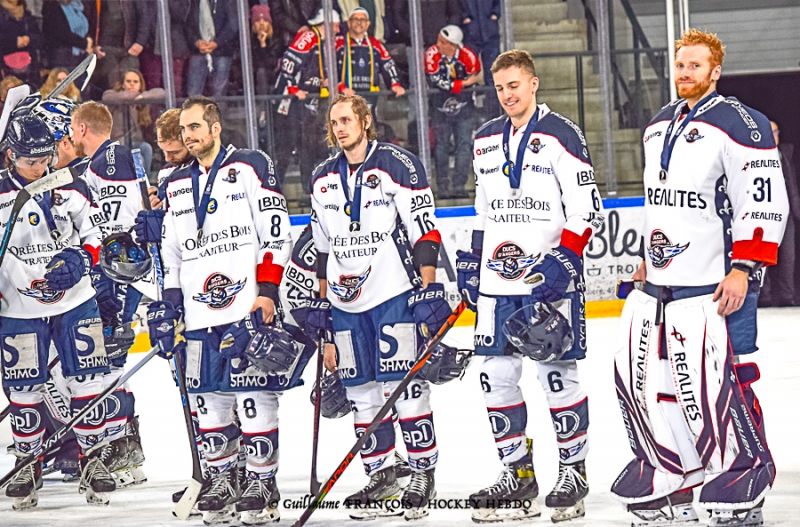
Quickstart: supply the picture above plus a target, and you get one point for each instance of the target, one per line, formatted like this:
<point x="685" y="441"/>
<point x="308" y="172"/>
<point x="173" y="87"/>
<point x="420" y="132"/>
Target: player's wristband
<point x="269" y="290"/>
<point x="746" y="266"/>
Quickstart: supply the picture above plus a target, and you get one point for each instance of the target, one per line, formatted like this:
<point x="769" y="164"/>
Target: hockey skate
<point x="259" y="502"/>
<point x="96" y="480"/>
<point x="512" y="497"/>
<point x="566" y="498"/>
<point x="675" y="509"/>
<point x="135" y="474"/>
<point x="24" y="486"/>
<point x="416" y="497"/>
<point x="401" y="468"/>
<point x="378" y="499"/>
<point x="738" y="518"/>
<point x="217" y="504"/>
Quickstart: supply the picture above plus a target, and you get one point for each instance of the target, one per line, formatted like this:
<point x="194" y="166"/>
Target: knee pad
<point x="416" y="423"/>
<point x="378" y="452"/>
<point x="508" y="414"/>
<point x="569" y="408"/>
<point x="28" y="419"/>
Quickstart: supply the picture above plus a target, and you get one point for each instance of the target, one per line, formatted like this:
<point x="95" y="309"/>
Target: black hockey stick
<point x="59" y="434"/>
<point x="315" y="483"/>
<point x="387" y="406"/>
<point x="7" y="409"/>
<point x="53" y="180"/>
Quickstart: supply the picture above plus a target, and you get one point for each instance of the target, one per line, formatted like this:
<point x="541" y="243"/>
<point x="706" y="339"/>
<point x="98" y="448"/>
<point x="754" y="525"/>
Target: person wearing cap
<point x="450" y="67"/>
<point x="266" y="48"/>
<point x="376" y="10"/>
<point x="303" y="73"/>
<point x="361" y="58"/>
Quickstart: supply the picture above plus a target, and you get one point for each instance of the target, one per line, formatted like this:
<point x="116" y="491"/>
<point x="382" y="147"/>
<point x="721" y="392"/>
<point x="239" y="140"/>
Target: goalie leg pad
<point x="258" y="415"/>
<point x="508" y="414"/>
<point x="378" y="452"/>
<point x="569" y="408"/>
<point x="416" y="422"/>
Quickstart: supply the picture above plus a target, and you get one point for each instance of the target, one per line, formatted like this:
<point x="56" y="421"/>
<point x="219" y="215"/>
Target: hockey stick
<point x="315" y="483"/>
<point x="376" y="421"/>
<point x="53" y="180"/>
<point x="59" y="434"/>
<point x="86" y="66"/>
<point x="7" y="409"/>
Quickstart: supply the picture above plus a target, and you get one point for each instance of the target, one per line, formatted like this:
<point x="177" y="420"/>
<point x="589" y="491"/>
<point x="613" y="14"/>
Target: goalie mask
<point x="273" y="350"/>
<point x="333" y="403"/>
<point x="123" y="260"/>
<point x="445" y="364"/>
<point x="539" y="332"/>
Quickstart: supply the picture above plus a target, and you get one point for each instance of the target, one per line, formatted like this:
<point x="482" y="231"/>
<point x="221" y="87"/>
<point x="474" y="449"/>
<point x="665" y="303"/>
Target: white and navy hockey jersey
<point x="557" y="201"/>
<point x="300" y="276"/>
<point x="246" y="238"/>
<point x="723" y="195"/>
<point x="364" y="268"/>
<point x="32" y="245"/>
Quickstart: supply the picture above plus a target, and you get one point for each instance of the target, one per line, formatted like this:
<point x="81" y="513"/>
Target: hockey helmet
<point x="273" y="350"/>
<point x="28" y="136"/>
<point x="539" y="331"/>
<point x="57" y="115"/>
<point x="445" y="364"/>
<point x="333" y="398"/>
<point x="26" y="105"/>
<point x="123" y="260"/>
<point x="118" y="339"/>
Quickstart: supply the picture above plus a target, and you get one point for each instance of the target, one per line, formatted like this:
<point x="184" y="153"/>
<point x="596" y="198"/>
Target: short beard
<point x="204" y="151"/>
<point x="357" y="141"/>
<point x="694" y="91"/>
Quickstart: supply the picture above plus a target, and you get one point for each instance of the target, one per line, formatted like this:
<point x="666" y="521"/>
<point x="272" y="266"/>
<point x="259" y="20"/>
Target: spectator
<point x="129" y="121"/>
<point x="375" y="11"/>
<point x="54" y="78"/>
<point x="482" y="34"/>
<point x="182" y="46"/>
<point x="120" y="30"/>
<point x="20" y="42"/>
<point x="66" y="33"/>
<point x="451" y="67"/>
<point x="292" y="16"/>
<point x="213" y="30"/>
<point x="266" y="48"/>
<point x="6" y="84"/>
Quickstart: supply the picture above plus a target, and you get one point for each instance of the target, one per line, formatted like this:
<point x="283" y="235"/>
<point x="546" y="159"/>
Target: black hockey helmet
<point x="273" y="350"/>
<point x="539" y="331"/>
<point x="28" y="136"/>
<point x="445" y="364"/>
<point x="123" y="260"/>
<point x="334" y="403"/>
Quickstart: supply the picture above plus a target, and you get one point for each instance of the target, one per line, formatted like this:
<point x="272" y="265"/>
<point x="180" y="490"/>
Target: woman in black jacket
<point x="66" y="33"/>
<point x="20" y="42"/>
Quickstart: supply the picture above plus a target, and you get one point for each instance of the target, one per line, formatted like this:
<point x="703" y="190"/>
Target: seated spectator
<point x="451" y="67"/>
<point x="130" y="120"/>
<point x="213" y="31"/>
<point x="375" y="11"/>
<point x="20" y="42"/>
<point x="66" y="33"/>
<point x="54" y="78"/>
<point x="6" y="84"/>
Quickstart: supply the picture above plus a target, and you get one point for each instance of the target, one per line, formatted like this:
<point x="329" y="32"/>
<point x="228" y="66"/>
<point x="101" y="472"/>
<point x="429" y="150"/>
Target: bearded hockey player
<point x="226" y="243"/>
<point x="715" y="212"/>
<point x="537" y="206"/>
<point x="369" y="202"/>
<point x="47" y="298"/>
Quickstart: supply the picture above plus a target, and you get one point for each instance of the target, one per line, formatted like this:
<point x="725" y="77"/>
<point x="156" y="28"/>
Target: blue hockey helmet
<point x="273" y="350"/>
<point x="333" y="398"/>
<point x="445" y="364"/>
<point x="123" y="260"/>
<point x="28" y="136"/>
<point x="57" y="115"/>
<point x="539" y="331"/>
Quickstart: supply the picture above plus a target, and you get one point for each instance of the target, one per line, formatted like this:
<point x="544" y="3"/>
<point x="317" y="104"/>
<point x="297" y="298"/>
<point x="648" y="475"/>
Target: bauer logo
<point x="43" y="294"/>
<point x="509" y="261"/>
<point x="661" y="250"/>
<point x="219" y="291"/>
<point x="349" y="287"/>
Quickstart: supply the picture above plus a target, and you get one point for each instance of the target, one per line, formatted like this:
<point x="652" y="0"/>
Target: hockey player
<point x="47" y="298"/>
<point x="368" y="203"/>
<point x="715" y="211"/>
<point x="537" y="207"/>
<point x="226" y="243"/>
<point x="111" y="175"/>
<point x="176" y="155"/>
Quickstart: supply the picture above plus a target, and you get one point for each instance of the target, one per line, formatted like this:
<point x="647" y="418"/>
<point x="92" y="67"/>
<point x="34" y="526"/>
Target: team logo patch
<point x="33" y="218"/>
<point x="509" y="261"/>
<point x="693" y="136"/>
<point x="41" y="292"/>
<point x="349" y="287"/>
<point x="452" y="107"/>
<point x="219" y="291"/>
<point x="662" y="250"/>
<point x="362" y="63"/>
<point x="372" y="181"/>
<point x="535" y="145"/>
<point x="566" y="453"/>
<point x="231" y="177"/>
<point x="212" y="206"/>
<point x="58" y="199"/>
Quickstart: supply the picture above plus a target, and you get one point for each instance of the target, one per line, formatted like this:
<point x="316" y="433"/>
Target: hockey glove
<point x="314" y="317"/>
<point x="67" y="268"/>
<point x="166" y="330"/>
<point x="147" y="226"/>
<point x="236" y="339"/>
<point x="430" y="308"/>
<point x="106" y="296"/>
<point x="468" y="267"/>
<point x="552" y="275"/>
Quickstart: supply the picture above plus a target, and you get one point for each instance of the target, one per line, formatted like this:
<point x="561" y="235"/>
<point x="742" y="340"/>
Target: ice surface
<point x="468" y="459"/>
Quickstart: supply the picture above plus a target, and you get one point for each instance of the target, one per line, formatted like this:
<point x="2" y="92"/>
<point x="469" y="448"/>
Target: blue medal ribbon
<point x="670" y="140"/>
<point x="353" y="207"/>
<point x="514" y="170"/>
<point x="201" y="204"/>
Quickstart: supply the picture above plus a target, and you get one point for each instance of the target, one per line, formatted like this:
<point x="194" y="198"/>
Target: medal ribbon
<point x="669" y="140"/>
<point x="514" y="170"/>
<point x="353" y="208"/>
<point x="44" y="201"/>
<point x="201" y="204"/>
